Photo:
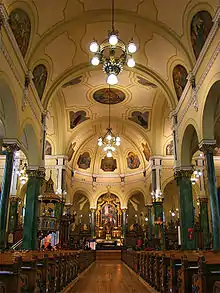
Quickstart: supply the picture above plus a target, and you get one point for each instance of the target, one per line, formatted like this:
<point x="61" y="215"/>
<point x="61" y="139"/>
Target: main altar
<point x="108" y="219"/>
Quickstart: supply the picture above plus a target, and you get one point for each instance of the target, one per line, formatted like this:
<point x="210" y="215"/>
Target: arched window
<point x="40" y="79"/>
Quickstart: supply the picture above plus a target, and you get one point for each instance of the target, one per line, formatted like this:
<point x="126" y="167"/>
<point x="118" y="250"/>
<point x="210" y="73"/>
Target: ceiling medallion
<point x="109" y="96"/>
<point x="112" y="53"/>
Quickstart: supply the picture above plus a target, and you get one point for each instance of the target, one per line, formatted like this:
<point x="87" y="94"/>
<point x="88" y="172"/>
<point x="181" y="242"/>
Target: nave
<point x="109" y="277"/>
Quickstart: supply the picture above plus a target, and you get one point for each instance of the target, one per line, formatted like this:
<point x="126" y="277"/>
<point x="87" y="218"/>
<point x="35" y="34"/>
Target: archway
<point x="210" y="111"/>
<point x="189" y="145"/>
<point x="31" y="145"/>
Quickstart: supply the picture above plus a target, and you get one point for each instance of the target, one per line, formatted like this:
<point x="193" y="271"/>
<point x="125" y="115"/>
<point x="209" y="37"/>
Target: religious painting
<point x="40" y="79"/>
<point x="21" y="27"/>
<point x="140" y="118"/>
<point x="76" y="118"/>
<point x="146" y="151"/>
<point x="133" y="161"/>
<point x="71" y="151"/>
<point x="200" y="27"/>
<point x="109" y="96"/>
<point x="216" y="151"/>
<point x="170" y="148"/>
<point x="73" y="81"/>
<point x="179" y="79"/>
<point x="108" y="214"/>
<point x="108" y="164"/>
<point x="145" y="82"/>
<point x="48" y="148"/>
<point x="84" y="161"/>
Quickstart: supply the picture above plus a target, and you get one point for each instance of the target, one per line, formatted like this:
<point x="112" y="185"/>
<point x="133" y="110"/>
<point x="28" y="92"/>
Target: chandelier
<point x="112" y="53"/>
<point x="23" y="176"/>
<point x="109" y="141"/>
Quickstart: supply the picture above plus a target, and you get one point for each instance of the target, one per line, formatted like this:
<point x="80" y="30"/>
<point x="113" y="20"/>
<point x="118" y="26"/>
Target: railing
<point x="16" y="246"/>
<point x="34" y="271"/>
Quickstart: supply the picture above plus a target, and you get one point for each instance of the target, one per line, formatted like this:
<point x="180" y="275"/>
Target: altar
<point x="109" y="219"/>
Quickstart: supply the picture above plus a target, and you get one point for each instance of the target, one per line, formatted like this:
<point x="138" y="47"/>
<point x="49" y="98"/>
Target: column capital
<point x="124" y="210"/>
<point x="10" y="147"/>
<point x="93" y="210"/>
<point x="36" y="172"/>
<point x="203" y="200"/>
<point x="183" y="171"/>
<point x="157" y="200"/>
<point x="207" y="145"/>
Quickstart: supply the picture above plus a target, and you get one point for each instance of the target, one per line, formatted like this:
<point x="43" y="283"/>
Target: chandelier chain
<point x="109" y="107"/>
<point x="113" y="15"/>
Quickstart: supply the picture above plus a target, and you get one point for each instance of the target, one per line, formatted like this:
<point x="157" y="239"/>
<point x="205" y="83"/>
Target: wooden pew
<point x="208" y="272"/>
<point x="10" y="273"/>
<point x="216" y="288"/>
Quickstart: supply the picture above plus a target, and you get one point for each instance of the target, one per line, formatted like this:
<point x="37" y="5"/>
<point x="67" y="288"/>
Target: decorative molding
<point x="207" y="145"/>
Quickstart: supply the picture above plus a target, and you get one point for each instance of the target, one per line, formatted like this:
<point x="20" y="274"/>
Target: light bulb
<point x="132" y="48"/>
<point x="109" y="137"/>
<point x="118" y="138"/>
<point x="94" y="47"/>
<point x="131" y="62"/>
<point x="117" y="143"/>
<point x="146" y="219"/>
<point x="113" y="40"/>
<point x="99" y="143"/>
<point x="112" y="79"/>
<point x="95" y="61"/>
<point x="109" y="154"/>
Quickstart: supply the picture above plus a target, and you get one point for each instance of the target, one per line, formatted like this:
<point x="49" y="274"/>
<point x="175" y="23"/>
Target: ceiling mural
<point x="40" y="79"/>
<point x="48" y="148"/>
<point x="146" y="151"/>
<point x="21" y="28"/>
<point x="140" y="118"/>
<point x="84" y="161"/>
<point x="74" y="81"/>
<point x="109" y="96"/>
<point x="170" y="148"/>
<point x="71" y="151"/>
<point x="179" y="79"/>
<point x="76" y="118"/>
<point x="200" y="27"/>
<point x="133" y="161"/>
<point x="145" y="82"/>
<point x="108" y="164"/>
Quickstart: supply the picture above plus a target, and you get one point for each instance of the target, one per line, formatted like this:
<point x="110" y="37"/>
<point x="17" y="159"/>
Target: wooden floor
<point x="111" y="277"/>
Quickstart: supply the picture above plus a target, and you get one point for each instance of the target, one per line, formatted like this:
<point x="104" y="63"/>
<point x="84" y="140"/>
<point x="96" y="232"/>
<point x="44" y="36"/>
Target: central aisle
<point x="112" y="277"/>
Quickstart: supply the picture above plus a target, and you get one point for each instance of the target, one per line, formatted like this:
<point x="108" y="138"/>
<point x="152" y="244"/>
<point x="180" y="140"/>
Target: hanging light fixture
<point x="195" y="176"/>
<point x="109" y="141"/>
<point x="112" y="53"/>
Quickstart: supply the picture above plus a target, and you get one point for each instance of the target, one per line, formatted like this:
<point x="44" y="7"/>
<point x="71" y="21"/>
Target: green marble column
<point x="214" y="202"/>
<point x="124" y="212"/>
<point x="30" y="229"/>
<point x="13" y="214"/>
<point x="6" y="186"/>
<point x="93" y="223"/>
<point x="204" y="221"/>
<point x="186" y="208"/>
<point x="158" y="221"/>
<point x="150" y="224"/>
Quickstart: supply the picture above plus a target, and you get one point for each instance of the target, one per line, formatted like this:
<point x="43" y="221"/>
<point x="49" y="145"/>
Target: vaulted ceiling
<point x="61" y="33"/>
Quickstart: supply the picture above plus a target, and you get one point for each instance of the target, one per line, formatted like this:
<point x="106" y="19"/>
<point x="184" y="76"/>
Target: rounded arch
<point x="98" y="195"/>
<point x="82" y="192"/>
<point x="189" y="144"/>
<point x="30" y="143"/>
<point x="208" y="113"/>
<point x="136" y="191"/>
<point x="7" y="107"/>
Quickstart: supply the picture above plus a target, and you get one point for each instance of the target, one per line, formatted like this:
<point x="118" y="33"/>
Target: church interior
<point x="109" y="146"/>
